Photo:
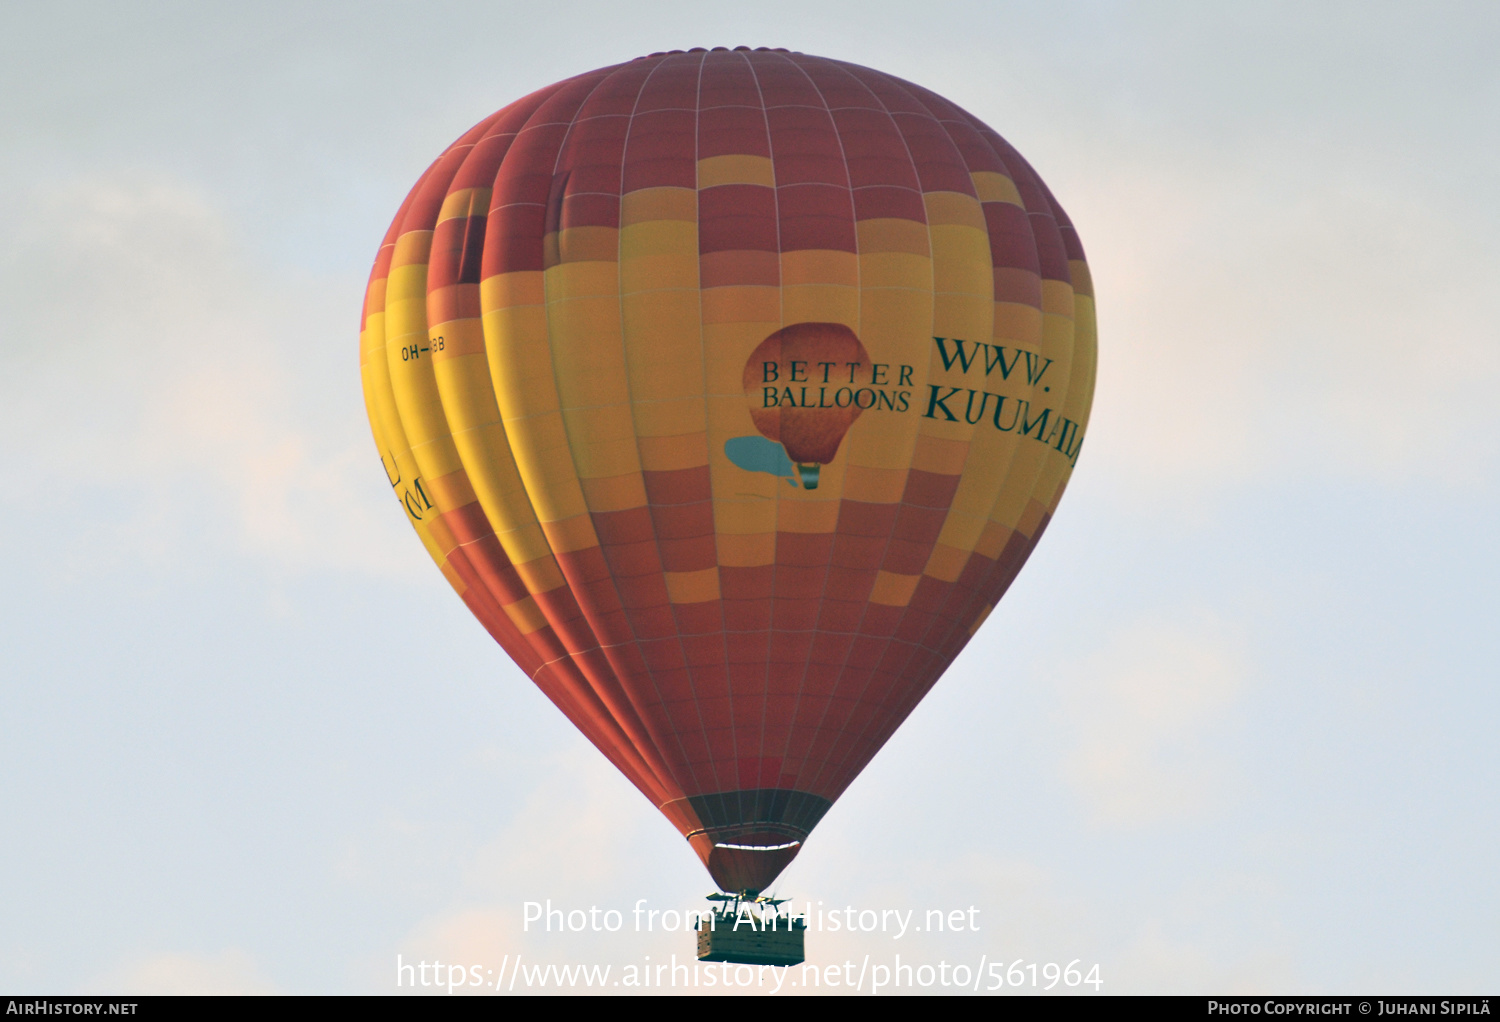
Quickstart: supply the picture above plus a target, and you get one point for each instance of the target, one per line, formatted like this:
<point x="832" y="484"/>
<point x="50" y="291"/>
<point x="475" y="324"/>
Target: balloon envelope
<point x="609" y="320"/>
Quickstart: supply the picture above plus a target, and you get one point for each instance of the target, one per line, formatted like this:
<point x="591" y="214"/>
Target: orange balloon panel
<point x="731" y="389"/>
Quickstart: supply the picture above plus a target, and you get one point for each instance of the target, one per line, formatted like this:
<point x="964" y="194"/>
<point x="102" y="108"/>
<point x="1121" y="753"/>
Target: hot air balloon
<point x="730" y="390"/>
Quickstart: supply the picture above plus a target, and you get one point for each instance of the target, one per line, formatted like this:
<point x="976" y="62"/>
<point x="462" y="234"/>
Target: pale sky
<point x="1231" y="731"/>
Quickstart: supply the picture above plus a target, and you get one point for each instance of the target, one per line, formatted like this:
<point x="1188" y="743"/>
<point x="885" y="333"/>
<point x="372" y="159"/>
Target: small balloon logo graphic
<point x="798" y="383"/>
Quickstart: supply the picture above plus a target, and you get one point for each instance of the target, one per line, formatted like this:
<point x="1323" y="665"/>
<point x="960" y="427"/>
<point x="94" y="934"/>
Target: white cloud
<point x="454" y="944"/>
<point x="230" y="972"/>
<point x="1287" y="313"/>
<point x="1143" y="711"/>
<point x="1157" y="962"/>
<point x="150" y="362"/>
<point x="582" y="838"/>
